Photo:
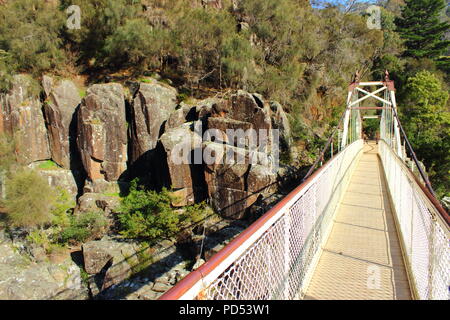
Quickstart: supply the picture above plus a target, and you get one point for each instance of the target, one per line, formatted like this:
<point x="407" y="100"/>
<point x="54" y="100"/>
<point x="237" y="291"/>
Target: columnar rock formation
<point x="102" y="132"/>
<point x="181" y="146"/>
<point x="106" y="131"/>
<point x="235" y="187"/>
<point x="152" y="105"/>
<point x="62" y="99"/>
<point x="21" y="117"/>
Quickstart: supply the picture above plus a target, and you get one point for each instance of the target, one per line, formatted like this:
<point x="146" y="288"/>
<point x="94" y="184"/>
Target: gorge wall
<point x="118" y="132"/>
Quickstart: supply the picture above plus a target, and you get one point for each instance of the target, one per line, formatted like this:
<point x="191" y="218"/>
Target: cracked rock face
<point x="234" y="186"/>
<point x="21" y="117"/>
<point x="62" y="100"/>
<point x="102" y="132"/>
<point x="152" y="106"/>
<point x="250" y="108"/>
<point x="183" y="176"/>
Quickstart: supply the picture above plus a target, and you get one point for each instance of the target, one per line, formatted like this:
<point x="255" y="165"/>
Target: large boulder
<point x="22" y="279"/>
<point x="233" y="187"/>
<point x="251" y="108"/>
<point x="241" y="171"/>
<point x="61" y="102"/>
<point x="97" y="254"/>
<point x="260" y="179"/>
<point x="184" y="176"/>
<point x="224" y="125"/>
<point x="242" y="112"/>
<point x="118" y="261"/>
<point x="152" y="105"/>
<point x="91" y="202"/>
<point x="21" y="117"/>
<point x="60" y="178"/>
<point x="102" y="132"/>
<point x="183" y="113"/>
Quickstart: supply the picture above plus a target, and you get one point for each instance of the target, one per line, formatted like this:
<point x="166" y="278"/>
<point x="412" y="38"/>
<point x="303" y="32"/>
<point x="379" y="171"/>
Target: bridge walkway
<point x="362" y="258"/>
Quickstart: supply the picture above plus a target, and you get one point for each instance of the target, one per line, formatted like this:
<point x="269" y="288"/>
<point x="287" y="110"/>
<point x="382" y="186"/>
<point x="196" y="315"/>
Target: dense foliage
<point x="83" y="227"/>
<point x="284" y="49"/>
<point x="30" y="38"/>
<point x="47" y="213"/>
<point x="421" y="26"/>
<point x="149" y="215"/>
<point x="426" y="119"/>
<point x="28" y="199"/>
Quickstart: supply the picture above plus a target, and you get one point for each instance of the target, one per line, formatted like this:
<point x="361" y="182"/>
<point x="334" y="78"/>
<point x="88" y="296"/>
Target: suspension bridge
<point x="361" y="225"/>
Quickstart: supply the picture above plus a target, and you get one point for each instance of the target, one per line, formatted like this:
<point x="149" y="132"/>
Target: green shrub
<point x="196" y="213"/>
<point x="39" y="237"/>
<point x="236" y="60"/>
<point x="135" y="44"/>
<point x="84" y="227"/>
<point x="29" y="199"/>
<point x="61" y="210"/>
<point x="148" y="214"/>
<point x="100" y="20"/>
<point x="200" y="39"/>
<point x="6" y="69"/>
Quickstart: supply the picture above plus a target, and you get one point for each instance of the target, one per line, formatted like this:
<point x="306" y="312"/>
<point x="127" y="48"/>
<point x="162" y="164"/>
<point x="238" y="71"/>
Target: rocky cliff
<point x="92" y="146"/>
<point x="117" y="132"/>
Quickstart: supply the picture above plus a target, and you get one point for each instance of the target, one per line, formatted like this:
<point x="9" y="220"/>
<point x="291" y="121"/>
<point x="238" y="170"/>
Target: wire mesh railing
<point x="422" y="227"/>
<point x="276" y="256"/>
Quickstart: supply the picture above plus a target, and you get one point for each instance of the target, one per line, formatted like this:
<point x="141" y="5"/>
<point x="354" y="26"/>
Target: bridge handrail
<point x="195" y="283"/>
<point x="423" y="227"/>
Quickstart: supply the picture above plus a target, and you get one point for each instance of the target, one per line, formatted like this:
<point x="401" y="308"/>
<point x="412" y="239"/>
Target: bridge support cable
<point x="392" y="131"/>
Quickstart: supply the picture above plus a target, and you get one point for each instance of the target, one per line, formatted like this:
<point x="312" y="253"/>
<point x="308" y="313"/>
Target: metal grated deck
<point x="362" y="258"/>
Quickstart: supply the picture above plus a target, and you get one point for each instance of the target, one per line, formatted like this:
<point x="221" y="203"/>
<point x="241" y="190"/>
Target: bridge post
<point x="396" y="127"/>
<point x="391" y="88"/>
<point x="347" y="116"/>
